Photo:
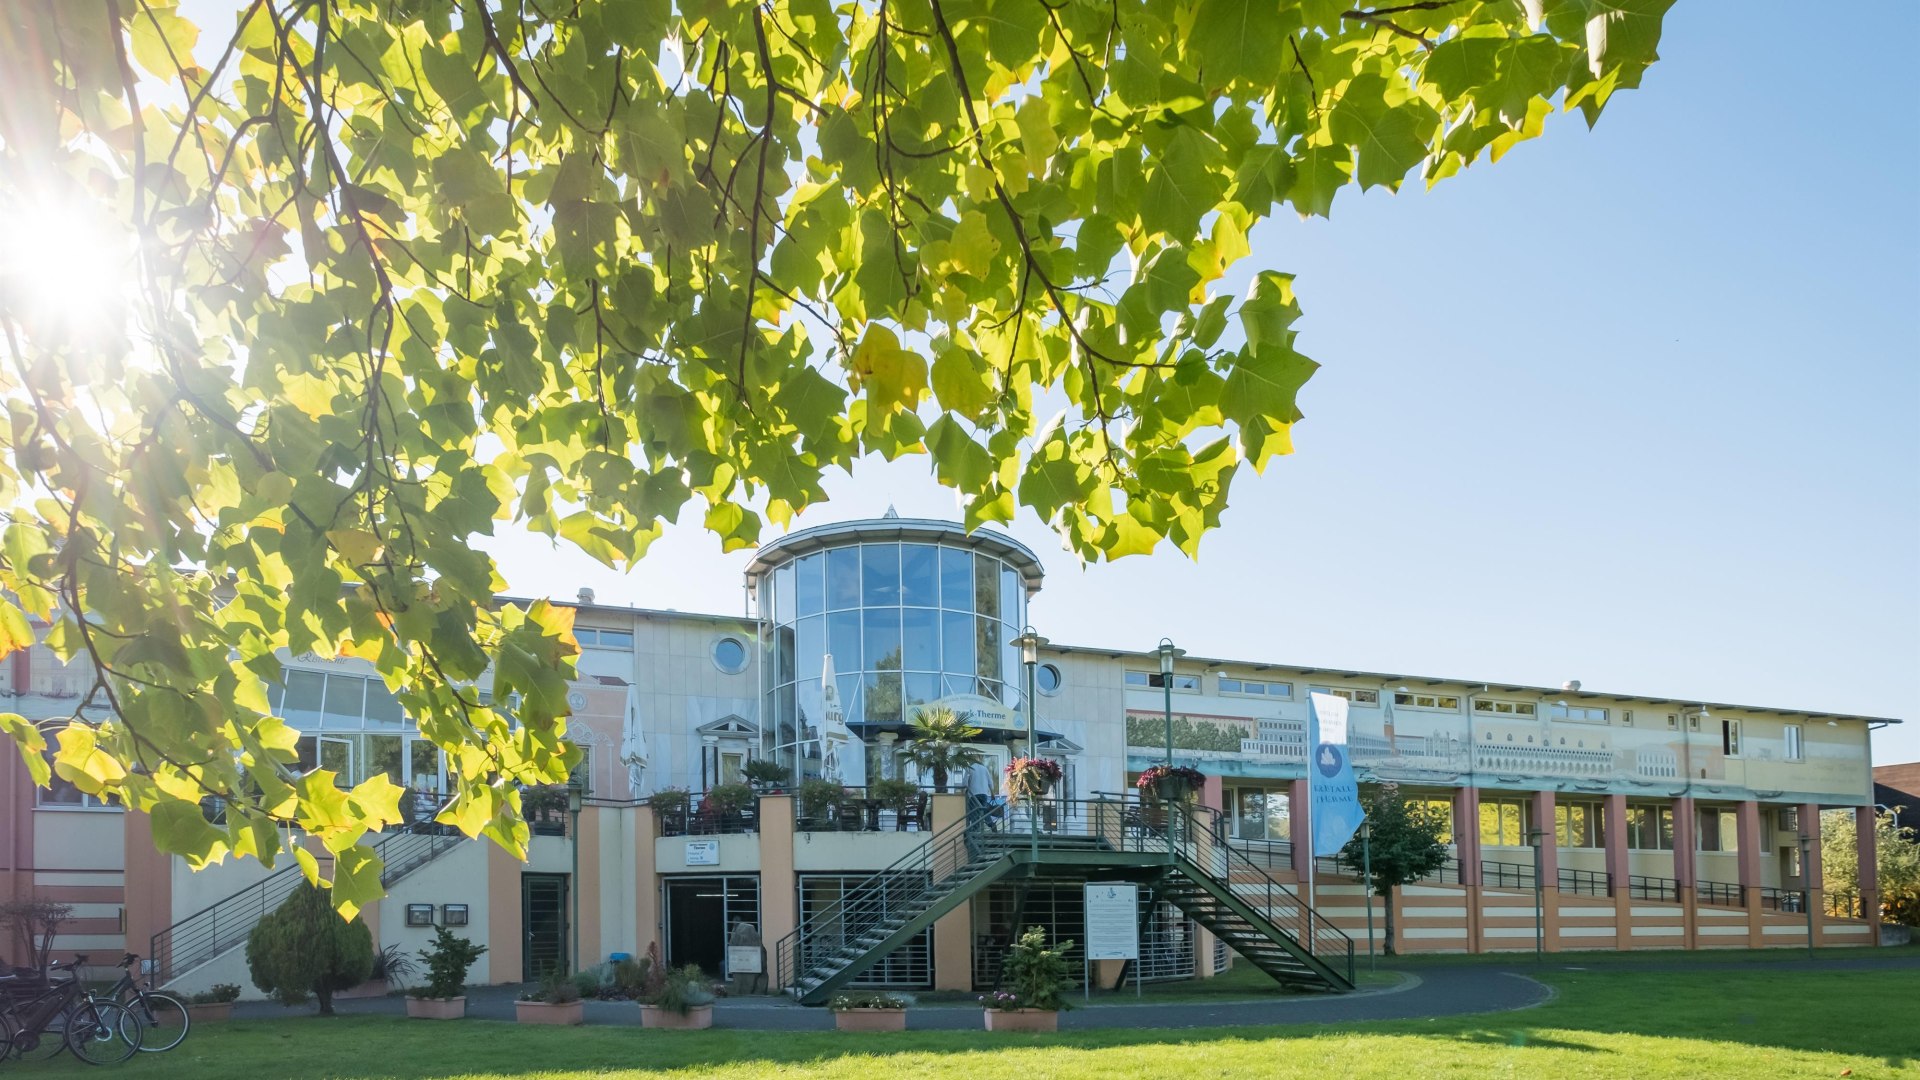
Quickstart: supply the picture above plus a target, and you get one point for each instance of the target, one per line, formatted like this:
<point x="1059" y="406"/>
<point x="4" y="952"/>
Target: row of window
<point x="895" y="575"/>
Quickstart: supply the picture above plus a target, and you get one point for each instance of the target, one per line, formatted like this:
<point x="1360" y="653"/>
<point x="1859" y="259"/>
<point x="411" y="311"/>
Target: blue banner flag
<point x="1334" y="796"/>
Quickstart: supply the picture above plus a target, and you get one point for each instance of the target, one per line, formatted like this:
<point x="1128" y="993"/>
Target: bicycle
<point x="41" y="1013"/>
<point x="163" y="1015"/>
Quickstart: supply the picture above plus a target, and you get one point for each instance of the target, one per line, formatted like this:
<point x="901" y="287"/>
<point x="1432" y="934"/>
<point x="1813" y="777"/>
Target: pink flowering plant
<point x="1030" y="777"/>
<point x="1172" y="783"/>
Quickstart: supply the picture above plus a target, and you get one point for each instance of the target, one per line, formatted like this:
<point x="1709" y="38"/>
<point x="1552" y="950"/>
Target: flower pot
<point x="1173" y="789"/>
<point x="425" y="1008"/>
<point x="870" y="1019"/>
<point x="1023" y="1019"/>
<point x="208" y="1012"/>
<point x="698" y="1018"/>
<point x="566" y="1013"/>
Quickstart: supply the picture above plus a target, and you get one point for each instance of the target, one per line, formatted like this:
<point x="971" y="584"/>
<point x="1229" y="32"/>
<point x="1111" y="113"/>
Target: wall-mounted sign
<point x="1113" y="920"/>
<point x="743" y="960"/>
<point x="703" y="853"/>
<point x="453" y="915"/>
<point x="419" y="914"/>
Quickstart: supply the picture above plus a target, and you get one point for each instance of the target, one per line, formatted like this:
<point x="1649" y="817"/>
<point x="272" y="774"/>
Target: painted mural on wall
<point x="1522" y="745"/>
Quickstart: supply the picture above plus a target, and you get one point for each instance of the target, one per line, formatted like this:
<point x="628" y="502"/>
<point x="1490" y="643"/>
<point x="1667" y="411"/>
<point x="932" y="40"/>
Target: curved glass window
<point x="905" y="624"/>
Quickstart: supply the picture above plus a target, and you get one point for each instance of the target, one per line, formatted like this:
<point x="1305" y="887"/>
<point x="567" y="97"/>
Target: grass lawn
<point x="1743" y="1025"/>
<point x="1522" y="959"/>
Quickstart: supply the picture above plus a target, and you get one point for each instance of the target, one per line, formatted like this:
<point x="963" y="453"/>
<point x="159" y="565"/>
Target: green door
<point x="543" y="914"/>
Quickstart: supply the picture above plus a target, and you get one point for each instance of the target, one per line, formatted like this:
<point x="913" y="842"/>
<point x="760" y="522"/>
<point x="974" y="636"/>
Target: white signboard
<point x="703" y="853"/>
<point x="1113" y="920"/>
<point x="743" y="960"/>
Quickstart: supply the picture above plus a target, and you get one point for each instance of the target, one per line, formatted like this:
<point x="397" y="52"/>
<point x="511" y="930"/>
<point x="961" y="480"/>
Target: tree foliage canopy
<point x="304" y="947"/>
<point x="400" y="270"/>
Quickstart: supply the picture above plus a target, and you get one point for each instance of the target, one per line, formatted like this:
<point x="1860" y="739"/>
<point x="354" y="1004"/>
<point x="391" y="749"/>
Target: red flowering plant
<point x="1170" y="783"/>
<point x="1030" y="777"/>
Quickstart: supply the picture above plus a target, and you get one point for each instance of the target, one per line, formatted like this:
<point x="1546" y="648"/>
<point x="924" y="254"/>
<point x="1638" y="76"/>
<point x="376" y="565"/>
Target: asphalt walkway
<point x="1431" y="991"/>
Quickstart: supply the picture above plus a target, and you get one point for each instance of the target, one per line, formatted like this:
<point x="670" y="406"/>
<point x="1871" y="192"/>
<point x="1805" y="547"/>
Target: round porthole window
<point x="730" y="655"/>
<point x="1047" y="678"/>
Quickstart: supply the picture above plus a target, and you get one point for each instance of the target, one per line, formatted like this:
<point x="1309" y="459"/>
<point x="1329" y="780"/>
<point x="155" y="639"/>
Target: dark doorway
<point x="543" y="912"/>
<point x="701" y="912"/>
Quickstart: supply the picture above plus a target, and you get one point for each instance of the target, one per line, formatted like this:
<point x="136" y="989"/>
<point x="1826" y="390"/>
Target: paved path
<point x="1437" y="992"/>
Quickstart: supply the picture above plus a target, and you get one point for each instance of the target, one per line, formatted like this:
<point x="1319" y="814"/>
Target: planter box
<point x="372" y="988"/>
<point x="698" y="1018"/>
<point x="452" y="1008"/>
<point x="1022" y="1020"/>
<point x="870" y="1019"/>
<point x="547" y="1012"/>
<point x="209" y="1012"/>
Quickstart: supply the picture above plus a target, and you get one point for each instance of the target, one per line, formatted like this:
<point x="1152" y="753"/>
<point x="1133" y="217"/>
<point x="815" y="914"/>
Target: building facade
<point x="1593" y="820"/>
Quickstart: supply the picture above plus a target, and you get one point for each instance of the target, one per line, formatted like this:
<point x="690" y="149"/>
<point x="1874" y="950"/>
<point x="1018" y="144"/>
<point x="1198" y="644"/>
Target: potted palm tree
<point x="766" y="776"/>
<point x="1034" y="982"/>
<point x="939" y="744"/>
<point x="870" y="1010"/>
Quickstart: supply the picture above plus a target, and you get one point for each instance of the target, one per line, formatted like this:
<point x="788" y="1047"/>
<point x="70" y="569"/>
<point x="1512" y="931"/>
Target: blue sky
<point x="1634" y="406"/>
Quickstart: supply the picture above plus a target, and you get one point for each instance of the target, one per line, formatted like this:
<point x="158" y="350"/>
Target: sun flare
<point x="65" y="268"/>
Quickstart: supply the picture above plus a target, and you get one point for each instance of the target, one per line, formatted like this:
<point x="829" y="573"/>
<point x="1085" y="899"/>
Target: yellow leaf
<point x="358" y="546"/>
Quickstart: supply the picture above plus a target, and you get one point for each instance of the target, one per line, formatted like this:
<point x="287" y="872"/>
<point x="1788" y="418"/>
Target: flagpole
<point x="1313" y="744"/>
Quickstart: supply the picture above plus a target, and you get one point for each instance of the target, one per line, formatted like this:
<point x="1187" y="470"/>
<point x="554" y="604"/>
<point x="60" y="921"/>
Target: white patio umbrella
<point x="834" y="734"/>
<point x="633" y="744"/>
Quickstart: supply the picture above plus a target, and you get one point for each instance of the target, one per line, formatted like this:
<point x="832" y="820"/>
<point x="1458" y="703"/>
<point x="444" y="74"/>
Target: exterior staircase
<point x="217" y="929"/>
<point x="1183" y="858"/>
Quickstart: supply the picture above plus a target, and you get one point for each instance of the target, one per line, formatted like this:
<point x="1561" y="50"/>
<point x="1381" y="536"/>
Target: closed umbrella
<point x="633" y="744"/>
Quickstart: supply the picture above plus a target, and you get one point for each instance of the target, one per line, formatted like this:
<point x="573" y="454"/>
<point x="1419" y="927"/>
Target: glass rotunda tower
<point x="905" y="614"/>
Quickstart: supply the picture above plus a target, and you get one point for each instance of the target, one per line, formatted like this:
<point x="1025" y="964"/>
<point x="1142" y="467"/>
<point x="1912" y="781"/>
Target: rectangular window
<point x="1438" y="809"/>
<point x="1427" y="701"/>
<point x="1255" y="687"/>
<point x="1260" y="815"/>
<point x="1730" y="738"/>
<point x="1576" y="714"/>
<point x="1626" y="718"/>
<point x="1650" y="828"/>
<point x="1502" y="708"/>
<point x="1693" y="722"/>
<point x="1579" y="825"/>
<point x="1795" y="751"/>
<point x="1358" y="697"/>
<point x="1503" y="822"/>
<point x="1152" y="679"/>
<point x="1673" y="721"/>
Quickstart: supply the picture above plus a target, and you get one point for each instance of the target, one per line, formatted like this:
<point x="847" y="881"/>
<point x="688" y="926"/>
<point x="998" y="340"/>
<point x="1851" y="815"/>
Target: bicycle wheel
<point x="41" y="1044"/>
<point x="102" y="1033"/>
<point x="164" y="1017"/>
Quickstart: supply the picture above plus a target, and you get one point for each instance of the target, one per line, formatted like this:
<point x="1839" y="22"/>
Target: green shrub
<point x="729" y="798"/>
<point x="819" y="797"/>
<point x="448" y="961"/>
<point x="217" y="994"/>
<point x="557" y="988"/>
<point x="678" y="990"/>
<point x="1036" y="974"/>
<point x="304" y="947"/>
<point x="895" y="795"/>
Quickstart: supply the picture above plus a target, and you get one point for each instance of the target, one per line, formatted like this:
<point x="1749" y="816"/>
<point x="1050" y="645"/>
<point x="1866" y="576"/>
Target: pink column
<point x="1684" y="842"/>
<point x="1213" y="794"/>
<point x="1866" y="843"/>
<point x="1748" y="840"/>
<point x="1543" y="822"/>
<point x="1466" y="833"/>
<point x="1297" y="827"/>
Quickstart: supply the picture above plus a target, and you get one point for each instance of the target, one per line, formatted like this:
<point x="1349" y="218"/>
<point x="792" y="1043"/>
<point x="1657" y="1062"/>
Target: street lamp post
<point x="1536" y="837"/>
<point x="1806" y="885"/>
<point x="1168" y="654"/>
<point x="1030" y="643"/>
<point x="1366" y="884"/>
<point x="576" y="795"/>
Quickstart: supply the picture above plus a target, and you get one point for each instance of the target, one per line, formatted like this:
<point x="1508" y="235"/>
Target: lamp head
<point x="1168" y="654"/>
<point x="1029" y="643"/>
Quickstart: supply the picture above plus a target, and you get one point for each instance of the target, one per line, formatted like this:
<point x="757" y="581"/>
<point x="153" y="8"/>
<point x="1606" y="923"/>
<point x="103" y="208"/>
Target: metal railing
<point x="706" y="821"/>
<point x="225" y="923"/>
<point x="1719" y="894"/>
<point x="1505" y="875"/>
<point x="1203" y="843"/>
<point x="856" y="811"/>
<point x="1586" y="882"/>
<point x="1787" y="900"/>
<point x="902" y="889"/>
<point x="1643" y="887"/>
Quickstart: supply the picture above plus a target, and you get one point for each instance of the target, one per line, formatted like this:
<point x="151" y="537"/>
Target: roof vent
<point x="891" y="514"/>
<point x="586" y="596"/>
<point x="1571" y="685"/>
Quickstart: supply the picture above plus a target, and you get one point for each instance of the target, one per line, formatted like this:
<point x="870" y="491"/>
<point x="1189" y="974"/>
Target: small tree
<point x="1405" y="843"/>
<point x="1038" y="974"/>
<point x="304" y="947"/>
<point x="939" y="744"/>
<point x="1897" y="855"/>
<point x="34" y="924"/>
<point x="448" y="961"/>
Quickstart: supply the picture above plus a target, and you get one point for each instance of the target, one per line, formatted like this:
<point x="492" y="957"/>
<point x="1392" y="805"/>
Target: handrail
<point x="219" y="926"/>
<point x="903" y="882"/>
<point x="1280" y="905"/>
<point x="1588" y="882"/>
